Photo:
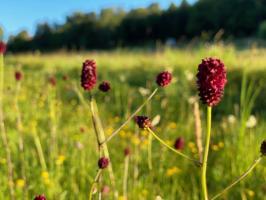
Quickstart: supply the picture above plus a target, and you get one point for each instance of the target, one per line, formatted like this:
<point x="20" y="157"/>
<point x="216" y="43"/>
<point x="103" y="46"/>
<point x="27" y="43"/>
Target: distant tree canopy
<point x="115" y="27"/>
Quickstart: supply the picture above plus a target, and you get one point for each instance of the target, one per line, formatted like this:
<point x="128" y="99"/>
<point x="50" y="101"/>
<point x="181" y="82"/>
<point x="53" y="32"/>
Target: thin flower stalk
<point x="101" y="137"/>
<point x="125" y="178"/>
<point x="130" y="117"/>
<point x="205" y="157"/>
<point x="172" y="149"/>
<point x="3" y="132"/>
<point x="20" y="133"/>
<point x="198" y="130"/>
<point x="95" y="182"/>
<point x="249" y="170"/>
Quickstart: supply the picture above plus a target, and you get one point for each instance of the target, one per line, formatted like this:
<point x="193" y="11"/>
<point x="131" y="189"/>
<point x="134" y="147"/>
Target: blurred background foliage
<point x="205" y="19"/>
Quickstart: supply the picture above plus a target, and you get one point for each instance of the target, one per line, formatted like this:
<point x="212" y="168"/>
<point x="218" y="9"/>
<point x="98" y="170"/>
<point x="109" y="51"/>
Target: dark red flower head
<point x="179" y="143"/>
<point x="103" y="162"/>
<point x="263" y="148"/>
<point x="211" y="80"/>
<point x="18" y="75"/>
<point x="2" y="47"/>
<point x="88" y="75"/>
<point x="105" y="86"/>
<point x="40" y="197"/>
<point x="52" y="81"/>
<point x="143" y="122"/>
<point x="164" y="78"/>
<point x="127" y="151"/>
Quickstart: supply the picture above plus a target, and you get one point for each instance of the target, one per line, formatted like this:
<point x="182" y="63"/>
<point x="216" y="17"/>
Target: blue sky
<point x="16" y="15"/>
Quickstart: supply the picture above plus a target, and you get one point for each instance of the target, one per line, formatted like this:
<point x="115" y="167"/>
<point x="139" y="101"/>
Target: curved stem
<point x="171" y="148"/>
<point x="94" y="183"/>
<point x="130" y="117"/>
<point x="150" y="152"/>
<point x="254" y="164"/>
<point x="206" y="152"/>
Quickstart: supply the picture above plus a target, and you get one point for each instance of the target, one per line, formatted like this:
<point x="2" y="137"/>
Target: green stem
<point x="171" y="148"/>
<point x="125" y="178"/>
<point x="206" y="152"/>
<point x="254" y="164"/>
<point x="150" y="152"/>
<point x="94" y="183"/>
<point x="130" y="117"/>
<point x="3" y="132"/>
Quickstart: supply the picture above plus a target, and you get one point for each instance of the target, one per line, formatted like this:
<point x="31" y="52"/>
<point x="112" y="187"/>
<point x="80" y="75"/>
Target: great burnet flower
<point x="263" y="148"/>
<point x="179" y="143"/>
<point x="88" y="75"/>
<point x="18" y="75"/>
<point x="127" y="151"/>
<point x="52" y="81"/>
<point x="40" y="197"/>
<point x="2" y="47"/>
<point x="143" y="122"/>
<point x="211" y="80"/>
<point x="164" y="78"/>
<point x="103" y="162"/>
<point x="105" y="86"/>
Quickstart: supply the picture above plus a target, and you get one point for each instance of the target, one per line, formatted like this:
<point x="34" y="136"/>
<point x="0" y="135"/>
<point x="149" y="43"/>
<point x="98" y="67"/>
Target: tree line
<point x="117" y="28"/>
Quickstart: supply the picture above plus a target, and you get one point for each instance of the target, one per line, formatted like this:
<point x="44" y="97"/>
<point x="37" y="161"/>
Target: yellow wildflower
<point x="250" y="193"/>
<point x="2" y="161"/>
<point x="172" y="125"/>
<point x="45" y="175"/>
<point x="221" y="144"/>
<point x="215" y="147"/>
<point x="172" y="171"/>
<point x="191" y="145"/>
<point x="20" y="183"/>
<point x="60" y="160"/>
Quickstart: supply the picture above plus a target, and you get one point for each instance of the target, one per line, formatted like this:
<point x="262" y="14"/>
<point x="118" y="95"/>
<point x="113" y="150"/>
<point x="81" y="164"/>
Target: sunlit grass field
<point x="59" y="156"/>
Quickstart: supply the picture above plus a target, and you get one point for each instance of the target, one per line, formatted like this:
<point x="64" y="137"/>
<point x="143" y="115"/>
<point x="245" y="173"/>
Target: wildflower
<point x="88" y="75"/>
<point x="231" y="119"/>
<point x="127" y="151"/>
<point x="251" y="122"/>
<point x="103" y="162"/>
<point x="18" y="75"/>
<point x="52" y="81"/>
<point x="172" y="171"/>
<point x="221" y="144"/>
<point x="105" y="190"/>
<point x="105" y="86"/>
<point x="215" y="147"/>
<point x="179" y="143"/>
<point x="211" y="80"/>
<point x="40" y="197"/>
<point x="65" y="77"/>
<point x="263" y="148"/>
<point x="20" y="183"/>
<point x="164" y="78"/>
<point x="143" y="122"/>
<point x="2" y="47"/>
<point x="45" y="175"/>
<point x="172" y="125"/>
<point x="250" y="193"/>
<point x="60" y="160"/>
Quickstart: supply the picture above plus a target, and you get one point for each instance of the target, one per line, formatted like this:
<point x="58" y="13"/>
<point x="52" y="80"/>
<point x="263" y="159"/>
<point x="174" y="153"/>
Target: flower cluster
<point x="105" y="86"/>
<point x="103" y="162"/>
<point x="40" y="197"/>
<point x="143" y="122"/>
<point x="88" y="75"/>
<point x="164" y="78"/>
<point x="263" y="148"/>
<point x="18" y="75"/>
<point x="179" y="143"/>
<point x="2" y="47"/>
<point x="211" y="80"/>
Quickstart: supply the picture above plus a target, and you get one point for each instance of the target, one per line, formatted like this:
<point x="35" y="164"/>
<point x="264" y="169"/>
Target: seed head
<point x="179" y="143"/>
<point x="52" y="81"/>
<point x="105" y="86"/>
<point x="164" y="78"/>
<point x="263" y="148"/>
<point x="127" y="151"/>
<point x="40" y="197"/>
<point x="2" y="47"/>
<point x="88" y="75"/>
<point x="18" y="75"/>
<point x="211" y="80"/>
<point x="143" y="122"/>
<point x="103" y="162"/>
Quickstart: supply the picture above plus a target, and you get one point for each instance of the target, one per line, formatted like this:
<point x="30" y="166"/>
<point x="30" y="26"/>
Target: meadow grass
<point x="60" y="151"/>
